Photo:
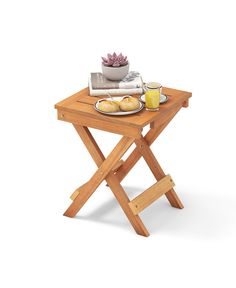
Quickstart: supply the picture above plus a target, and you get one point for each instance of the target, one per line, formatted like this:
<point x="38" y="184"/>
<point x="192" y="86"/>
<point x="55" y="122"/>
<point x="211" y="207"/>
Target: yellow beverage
<point x="152" y="99"/>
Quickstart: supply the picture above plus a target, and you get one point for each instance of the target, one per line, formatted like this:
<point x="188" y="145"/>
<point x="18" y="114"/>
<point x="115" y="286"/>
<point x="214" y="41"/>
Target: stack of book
<point x="99" y="85"/>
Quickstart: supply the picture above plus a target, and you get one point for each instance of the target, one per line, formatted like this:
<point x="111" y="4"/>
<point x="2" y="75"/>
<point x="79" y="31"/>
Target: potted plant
<point x="115" y="67"/>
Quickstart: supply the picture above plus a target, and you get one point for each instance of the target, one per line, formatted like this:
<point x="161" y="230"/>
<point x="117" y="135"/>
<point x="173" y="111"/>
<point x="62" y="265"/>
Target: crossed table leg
<point x="113" y="178"/>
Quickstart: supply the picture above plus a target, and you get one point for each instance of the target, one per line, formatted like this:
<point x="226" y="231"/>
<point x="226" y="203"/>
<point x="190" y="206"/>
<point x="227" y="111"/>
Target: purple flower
<point x="114" y="60"/>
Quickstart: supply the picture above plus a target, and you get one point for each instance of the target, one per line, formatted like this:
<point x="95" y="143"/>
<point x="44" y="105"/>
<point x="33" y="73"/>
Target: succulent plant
<point x="114" y="60"/>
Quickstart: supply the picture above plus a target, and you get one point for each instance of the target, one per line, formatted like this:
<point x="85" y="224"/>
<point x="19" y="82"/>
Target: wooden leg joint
<point x="117" y="166"/>
<point x="150" y="195"/>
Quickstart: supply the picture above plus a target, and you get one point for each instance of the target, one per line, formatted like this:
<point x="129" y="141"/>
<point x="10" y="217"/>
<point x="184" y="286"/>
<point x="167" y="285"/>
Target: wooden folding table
<point x="79" y="110"/>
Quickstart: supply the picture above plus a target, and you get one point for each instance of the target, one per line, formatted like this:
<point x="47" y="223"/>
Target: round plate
<point x="119" y="113"/>
<point x="163" y="98"/>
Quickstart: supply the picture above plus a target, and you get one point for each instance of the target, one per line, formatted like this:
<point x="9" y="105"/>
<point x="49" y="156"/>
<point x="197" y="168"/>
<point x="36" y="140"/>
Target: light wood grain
<point x="114" y="169"/>
<point x="150" y="195"/>
<point x="77" y="191"/>
<point x="166" y="117"/>
<point x="78" y="109"/>
<point x="150" y="137"/>
<point x="82" y="105"/>
<point x="82" y="93"/>
<point x="91" y="144"/>
<point x="123" y="200"/>
<point x="118" y="165"/>
<point x="99" y="124"/>
<point x="112" y="181"/>
<point x="157" y="170"/>
<point x="99" y="176"/>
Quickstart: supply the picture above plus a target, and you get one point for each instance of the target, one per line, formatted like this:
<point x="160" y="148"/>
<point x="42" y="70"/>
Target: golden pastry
<point x="108" y="106"/>
<point x="129" y="103"/>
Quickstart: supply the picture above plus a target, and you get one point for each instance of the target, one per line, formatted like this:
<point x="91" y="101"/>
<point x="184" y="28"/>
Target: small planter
<point x="115" y="73"/>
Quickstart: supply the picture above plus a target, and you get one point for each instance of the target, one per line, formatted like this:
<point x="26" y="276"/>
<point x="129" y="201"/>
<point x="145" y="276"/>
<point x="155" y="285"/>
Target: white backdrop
<point x="47" y="50"/>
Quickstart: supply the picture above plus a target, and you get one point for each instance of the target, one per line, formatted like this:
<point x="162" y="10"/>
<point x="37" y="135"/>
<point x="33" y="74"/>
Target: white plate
<point x="163" y="98"/>
<point x="119" y="113"/>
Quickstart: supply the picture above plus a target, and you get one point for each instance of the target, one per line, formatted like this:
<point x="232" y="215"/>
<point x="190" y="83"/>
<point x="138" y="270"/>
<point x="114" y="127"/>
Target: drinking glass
<point x="152" y="92"/>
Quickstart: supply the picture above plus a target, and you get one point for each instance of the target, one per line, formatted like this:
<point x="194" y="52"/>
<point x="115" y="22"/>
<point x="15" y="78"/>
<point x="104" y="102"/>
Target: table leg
<point x="150" y="137"/>
<point x="157" y="171"/>
<point x="124" y="201"/>
<point x="130" y="162"/>
<point x="99" y="175"/>
<point x="112" y="180"/>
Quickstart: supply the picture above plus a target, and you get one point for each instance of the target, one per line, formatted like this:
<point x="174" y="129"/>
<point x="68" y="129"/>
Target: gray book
<point x="131" y="81"/>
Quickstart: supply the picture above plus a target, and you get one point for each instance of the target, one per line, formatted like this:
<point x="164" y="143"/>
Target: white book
<point x="131" y="80"/>
<point x="118" y="91"/>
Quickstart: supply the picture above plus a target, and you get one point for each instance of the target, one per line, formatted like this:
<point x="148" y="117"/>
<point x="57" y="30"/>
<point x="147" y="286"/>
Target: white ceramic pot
<point x="115" y="73"/>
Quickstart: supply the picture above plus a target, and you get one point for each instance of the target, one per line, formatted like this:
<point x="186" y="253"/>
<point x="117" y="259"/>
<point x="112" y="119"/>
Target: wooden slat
<point x="84" y="96"/>
<point x="157" y="170"/>
<point x="99" y="176"/>
<point x="72" y="98"/>
<point x="99" y="124"/>
<point x="150" y="195"/>
<point x="134" y="120"/>
<point x="94" y="99"/>
<point x="82" y="105"/>
<point x="138" y="120"/>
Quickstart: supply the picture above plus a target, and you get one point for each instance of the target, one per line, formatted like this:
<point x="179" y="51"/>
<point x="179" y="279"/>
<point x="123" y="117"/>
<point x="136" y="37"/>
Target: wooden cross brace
<point x="113" y="170"/>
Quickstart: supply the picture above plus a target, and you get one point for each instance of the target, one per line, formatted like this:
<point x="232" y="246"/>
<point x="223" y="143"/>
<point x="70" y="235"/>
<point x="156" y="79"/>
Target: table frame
<point x="113" y="169"/>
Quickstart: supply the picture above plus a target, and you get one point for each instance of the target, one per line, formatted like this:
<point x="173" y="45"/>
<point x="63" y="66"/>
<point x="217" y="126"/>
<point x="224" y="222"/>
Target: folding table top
<point x="79" y="109"/>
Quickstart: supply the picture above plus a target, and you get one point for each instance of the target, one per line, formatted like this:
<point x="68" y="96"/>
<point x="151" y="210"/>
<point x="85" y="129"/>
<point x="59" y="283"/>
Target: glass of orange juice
<point x="152" y="92"/>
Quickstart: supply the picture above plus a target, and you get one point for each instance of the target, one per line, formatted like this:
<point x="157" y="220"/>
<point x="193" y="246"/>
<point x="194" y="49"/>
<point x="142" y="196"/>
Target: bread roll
<point x="108" y="106"/>
<point x="129" y="103"/>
